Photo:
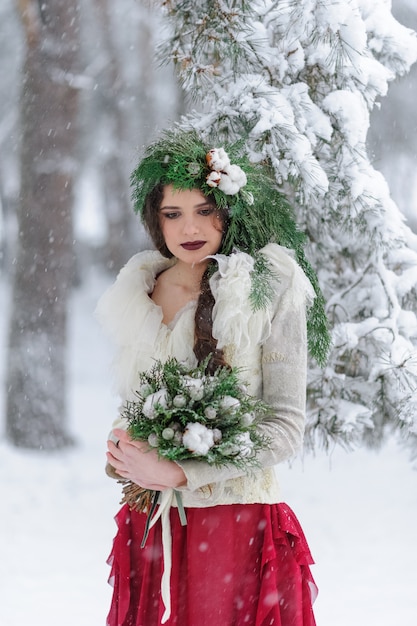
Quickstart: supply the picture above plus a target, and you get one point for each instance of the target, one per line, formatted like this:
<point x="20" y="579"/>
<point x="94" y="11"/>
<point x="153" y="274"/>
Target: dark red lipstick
<point x="193" y="245"/>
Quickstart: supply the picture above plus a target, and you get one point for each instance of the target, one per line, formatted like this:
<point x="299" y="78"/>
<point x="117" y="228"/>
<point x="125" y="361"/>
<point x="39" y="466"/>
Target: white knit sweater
<point x="269" y="345"/>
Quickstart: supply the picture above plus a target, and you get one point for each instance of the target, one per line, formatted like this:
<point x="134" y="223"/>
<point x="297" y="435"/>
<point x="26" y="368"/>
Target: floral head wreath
<point x="258" y="213"/>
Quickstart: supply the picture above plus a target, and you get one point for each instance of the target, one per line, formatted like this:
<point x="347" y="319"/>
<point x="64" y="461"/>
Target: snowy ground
<point x="359" y="512"/>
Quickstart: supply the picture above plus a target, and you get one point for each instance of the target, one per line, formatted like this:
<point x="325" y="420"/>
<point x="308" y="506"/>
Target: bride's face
<point x="190" y="224"/>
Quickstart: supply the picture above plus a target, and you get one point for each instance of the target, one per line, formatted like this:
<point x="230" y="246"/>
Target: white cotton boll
<point x="160" y="398"/>
<point x="232" y="180"/>
<point x="217" y="159"/>
<point x="236" y="174"/>
<point x="198" y="439"/>
<point x="245" y="444"/>
<point x="229" y="403"/>
<point x="247" y="419"/>
<point x="190" y="381"/>
<point x="194" y="386"/>
<point x="228" y="186"/>
<point x="213" y="179"/>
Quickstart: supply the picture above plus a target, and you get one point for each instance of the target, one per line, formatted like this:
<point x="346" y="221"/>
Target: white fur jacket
<point x="269" y="345"/>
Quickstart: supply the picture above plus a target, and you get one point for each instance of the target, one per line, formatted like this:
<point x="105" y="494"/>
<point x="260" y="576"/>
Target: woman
<point x="218" y="287"/>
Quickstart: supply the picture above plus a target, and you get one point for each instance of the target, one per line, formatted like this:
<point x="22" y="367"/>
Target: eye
<point x="170" y="215"/>
<point x="206" y="211"/>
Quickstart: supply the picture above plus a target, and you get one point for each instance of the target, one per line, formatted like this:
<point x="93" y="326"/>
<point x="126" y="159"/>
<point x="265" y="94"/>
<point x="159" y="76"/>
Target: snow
<point x="359" y="512"/>
<point x="351" y="113"/>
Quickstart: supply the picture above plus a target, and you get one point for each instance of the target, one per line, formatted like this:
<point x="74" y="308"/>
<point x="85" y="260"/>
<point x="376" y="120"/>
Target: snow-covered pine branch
<point x="298" y="79"/>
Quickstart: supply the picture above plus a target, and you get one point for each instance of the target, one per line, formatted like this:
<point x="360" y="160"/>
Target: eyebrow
<point x="196" y="206"/>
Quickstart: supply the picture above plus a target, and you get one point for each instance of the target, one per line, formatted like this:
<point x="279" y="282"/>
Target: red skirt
<point x="232" y="565"/>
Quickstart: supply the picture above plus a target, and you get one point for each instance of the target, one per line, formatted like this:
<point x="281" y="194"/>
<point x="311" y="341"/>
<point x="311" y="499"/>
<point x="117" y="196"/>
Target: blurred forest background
<point x="125" y="98"/>
<point x="118" y="100"/>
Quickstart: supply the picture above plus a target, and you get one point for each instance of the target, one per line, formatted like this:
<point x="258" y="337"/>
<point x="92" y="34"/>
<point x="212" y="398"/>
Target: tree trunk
<point x="36" y="368"/>
<point x="122" y="239"/>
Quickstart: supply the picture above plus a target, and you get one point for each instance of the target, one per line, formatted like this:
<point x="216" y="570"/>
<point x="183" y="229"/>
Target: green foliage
<point x="172" y="399"/>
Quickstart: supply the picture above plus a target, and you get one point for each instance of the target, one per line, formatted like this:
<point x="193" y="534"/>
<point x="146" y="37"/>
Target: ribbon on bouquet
<point x="165" y="499"/>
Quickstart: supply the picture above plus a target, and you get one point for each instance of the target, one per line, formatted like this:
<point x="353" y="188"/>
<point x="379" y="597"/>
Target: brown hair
<point x="204" y="342"/>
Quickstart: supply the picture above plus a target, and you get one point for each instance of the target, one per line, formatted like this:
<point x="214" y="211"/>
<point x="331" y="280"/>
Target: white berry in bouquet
<point x="180" y="401"/>
<point x="210" y="412"/>
<point x="217" y="435"/>
<point x="153" y="440"/>
<point x="168" y="433"/>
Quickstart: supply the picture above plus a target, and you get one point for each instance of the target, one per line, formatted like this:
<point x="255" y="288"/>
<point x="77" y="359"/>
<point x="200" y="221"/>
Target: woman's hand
<point x="137" y="462"/>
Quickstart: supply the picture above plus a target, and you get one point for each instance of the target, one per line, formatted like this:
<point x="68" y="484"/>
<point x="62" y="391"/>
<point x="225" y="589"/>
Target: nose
<point x="190" y="226"/>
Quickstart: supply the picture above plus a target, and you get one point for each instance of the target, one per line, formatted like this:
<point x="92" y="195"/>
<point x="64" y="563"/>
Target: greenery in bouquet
<point x="186" y="414"/>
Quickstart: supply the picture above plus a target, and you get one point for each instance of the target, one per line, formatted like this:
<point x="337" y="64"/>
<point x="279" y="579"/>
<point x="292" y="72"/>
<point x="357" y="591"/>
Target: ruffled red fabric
<point x="232" y="565"/>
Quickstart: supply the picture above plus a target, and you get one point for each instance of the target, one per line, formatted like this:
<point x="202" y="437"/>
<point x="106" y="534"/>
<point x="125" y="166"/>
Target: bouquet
<point x="187" y="414"/>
